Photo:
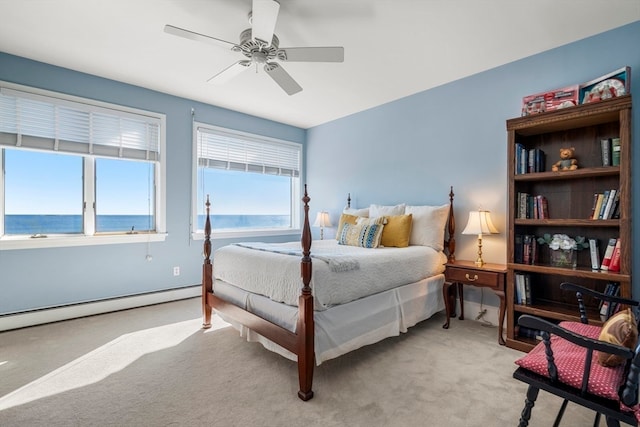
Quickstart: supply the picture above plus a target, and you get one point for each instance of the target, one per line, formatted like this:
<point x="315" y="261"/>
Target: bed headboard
<point x="449" y="238"/>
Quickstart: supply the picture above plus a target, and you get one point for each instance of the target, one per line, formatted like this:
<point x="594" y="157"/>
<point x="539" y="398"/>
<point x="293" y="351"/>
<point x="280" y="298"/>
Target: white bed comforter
<point x="276" y="275"/>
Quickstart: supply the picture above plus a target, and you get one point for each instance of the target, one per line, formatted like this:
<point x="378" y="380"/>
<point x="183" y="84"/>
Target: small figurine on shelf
<point x="567" y="161"/>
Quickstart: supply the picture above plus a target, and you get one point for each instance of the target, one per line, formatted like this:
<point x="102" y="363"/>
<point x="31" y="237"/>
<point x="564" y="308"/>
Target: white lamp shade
<point x="480" y="223"/>
<point x="322" y="220"/>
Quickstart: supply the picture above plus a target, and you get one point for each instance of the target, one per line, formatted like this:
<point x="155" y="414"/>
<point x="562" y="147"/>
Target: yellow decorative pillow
<point x="397" y="231"/>
<point x="345" y="219"/>
<point x="620" y="329"/>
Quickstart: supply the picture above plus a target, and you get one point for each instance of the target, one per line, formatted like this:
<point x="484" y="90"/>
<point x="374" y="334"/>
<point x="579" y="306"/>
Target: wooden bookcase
<point x="570" y="202"/>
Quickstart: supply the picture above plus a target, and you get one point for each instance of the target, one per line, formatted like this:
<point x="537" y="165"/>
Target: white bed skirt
<point x="347" y="327"/>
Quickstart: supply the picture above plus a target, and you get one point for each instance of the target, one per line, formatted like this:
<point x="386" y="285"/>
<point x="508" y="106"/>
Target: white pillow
<point x="364" y="212"/>
<point x="380" y="210"/>
<point x="428" y="225"/>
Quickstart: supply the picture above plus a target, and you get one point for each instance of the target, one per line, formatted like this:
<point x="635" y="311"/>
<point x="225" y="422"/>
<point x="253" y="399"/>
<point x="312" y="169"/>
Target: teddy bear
<point x="566" y="162"/>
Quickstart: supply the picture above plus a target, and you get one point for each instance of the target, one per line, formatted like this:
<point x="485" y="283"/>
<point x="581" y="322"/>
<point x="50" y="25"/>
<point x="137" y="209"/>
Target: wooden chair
<point x="563" y="364"/>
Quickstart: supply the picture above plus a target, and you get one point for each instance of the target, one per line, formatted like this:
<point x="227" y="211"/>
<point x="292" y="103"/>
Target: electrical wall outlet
<point x="176" y="271"/>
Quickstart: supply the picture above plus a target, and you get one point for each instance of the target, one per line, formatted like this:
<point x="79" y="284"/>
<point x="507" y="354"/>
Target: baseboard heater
<point x="55" y="314"/>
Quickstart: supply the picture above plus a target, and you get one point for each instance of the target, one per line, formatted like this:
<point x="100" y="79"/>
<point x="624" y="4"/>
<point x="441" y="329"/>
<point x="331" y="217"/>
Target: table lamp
<point x="480" y="223"/>
<point x="322" y="221"/>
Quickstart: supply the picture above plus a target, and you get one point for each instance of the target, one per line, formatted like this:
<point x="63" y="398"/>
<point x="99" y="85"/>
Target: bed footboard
<point x="301" y="342"/>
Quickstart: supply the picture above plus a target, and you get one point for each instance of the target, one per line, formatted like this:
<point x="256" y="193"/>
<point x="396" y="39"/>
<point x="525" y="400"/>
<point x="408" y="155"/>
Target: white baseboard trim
<point x="56" y="314"/>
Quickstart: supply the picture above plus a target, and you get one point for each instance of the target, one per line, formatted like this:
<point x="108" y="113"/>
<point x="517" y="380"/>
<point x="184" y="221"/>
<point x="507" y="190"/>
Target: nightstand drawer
<point x="473" y="277"/>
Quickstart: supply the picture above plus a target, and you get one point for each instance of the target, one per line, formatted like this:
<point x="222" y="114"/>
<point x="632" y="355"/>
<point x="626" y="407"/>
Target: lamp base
<point x="479" y="261"/>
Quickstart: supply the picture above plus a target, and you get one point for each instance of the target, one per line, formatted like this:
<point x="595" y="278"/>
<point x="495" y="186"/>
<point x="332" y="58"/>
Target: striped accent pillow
<point x="362" y="235"/>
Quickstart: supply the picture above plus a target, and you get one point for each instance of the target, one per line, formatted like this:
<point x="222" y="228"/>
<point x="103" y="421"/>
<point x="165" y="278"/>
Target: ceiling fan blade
<point x="264" y="15"/>
<point x="284" y="80"/>
<point x="229" y="72"/>
<point x="191" y="35"/>
<point x="311" y="54"/>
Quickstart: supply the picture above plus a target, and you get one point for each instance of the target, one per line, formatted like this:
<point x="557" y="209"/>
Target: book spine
<point x="608" y="253"/>
<point x="540" y="160"/>
<point x="518" y="249"/>
<point x="605" y="148"/>
<point x="522" y="214"/>
<point x="531" y="158"/>
<point x="545" y="207"/>
<point x="615" y="210"/>
<point x="527" y="249"/>
<point x="612" y="289"/>
<point x="614" y="265"/>
<point x="609" y="205"/>
<point x="516" y="288"/>
<point x="527" y="289"/>
<point x="595" y="204"/>
<point x="523" y="294"/>
<point x="598" y="206"/>
<point x="595" y="254"/>
<point x="615" y="151"/>
<point x="605" y="197"/>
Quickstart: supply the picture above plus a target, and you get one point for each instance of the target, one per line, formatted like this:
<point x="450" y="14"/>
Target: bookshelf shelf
<point x="579" y="272"/>
<point x="593" y="172"/>
<point x="571" y="222"/>
<point x="569" y="196"/>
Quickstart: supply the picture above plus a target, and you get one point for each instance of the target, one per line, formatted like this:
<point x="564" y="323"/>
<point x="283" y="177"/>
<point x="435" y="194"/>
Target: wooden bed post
<point x="207" y="271"/>
<point x="305" y="329"/>
<point x="451" y="229"/>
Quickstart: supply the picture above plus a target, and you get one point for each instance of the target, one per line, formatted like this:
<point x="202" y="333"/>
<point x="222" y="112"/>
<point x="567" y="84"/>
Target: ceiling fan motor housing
<point x="257" y="49"/>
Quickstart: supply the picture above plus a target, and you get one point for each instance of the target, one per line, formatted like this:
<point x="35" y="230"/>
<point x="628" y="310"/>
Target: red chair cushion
<point x="570" y="358"/>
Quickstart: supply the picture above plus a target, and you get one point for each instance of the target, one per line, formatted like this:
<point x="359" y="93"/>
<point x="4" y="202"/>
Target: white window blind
<point x="225" y="149"/>
<point x="40" y="122"/>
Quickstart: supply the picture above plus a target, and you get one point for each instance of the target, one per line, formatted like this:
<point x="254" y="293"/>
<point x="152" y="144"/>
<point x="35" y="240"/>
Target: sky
<point x="48" y="183"/>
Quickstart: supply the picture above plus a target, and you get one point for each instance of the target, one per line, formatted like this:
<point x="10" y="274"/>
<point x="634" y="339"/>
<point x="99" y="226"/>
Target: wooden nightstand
<point x="490" y="276"/>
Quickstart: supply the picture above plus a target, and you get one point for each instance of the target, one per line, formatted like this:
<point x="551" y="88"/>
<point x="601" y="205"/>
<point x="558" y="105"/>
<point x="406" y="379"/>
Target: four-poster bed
<point x="338" y="319"/>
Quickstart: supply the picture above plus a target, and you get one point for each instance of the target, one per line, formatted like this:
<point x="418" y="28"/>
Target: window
<point x="253" y="182"/>
<point x="76" y="171"/>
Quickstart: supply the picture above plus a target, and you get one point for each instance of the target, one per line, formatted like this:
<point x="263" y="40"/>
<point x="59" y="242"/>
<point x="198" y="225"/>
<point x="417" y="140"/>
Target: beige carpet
<point x="154" y="366"/>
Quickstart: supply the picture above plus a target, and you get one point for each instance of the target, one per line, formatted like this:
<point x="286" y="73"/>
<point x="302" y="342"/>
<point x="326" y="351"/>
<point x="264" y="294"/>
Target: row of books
<point x="524" y="332"/>
<point x="611" y="257"/>
<point x="529" y="160"/>
<point x="606" y="205"/>
<point x="531" y="207"/>
<point x="522" y="288"/>
<point x="610" y="148"/>
<point x="612" y="289"/>
<point x="525" y="249"/>
<point x="523" y="295"/>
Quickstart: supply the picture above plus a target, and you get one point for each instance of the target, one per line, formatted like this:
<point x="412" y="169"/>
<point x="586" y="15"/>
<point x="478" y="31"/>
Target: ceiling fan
<point x="260" y="46"/>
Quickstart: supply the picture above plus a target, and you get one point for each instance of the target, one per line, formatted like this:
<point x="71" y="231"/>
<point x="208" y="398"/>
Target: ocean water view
<point x="72" y="224"/>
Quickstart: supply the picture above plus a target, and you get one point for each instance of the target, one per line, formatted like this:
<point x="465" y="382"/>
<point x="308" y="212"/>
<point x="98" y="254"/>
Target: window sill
<point x="14" y="243"/>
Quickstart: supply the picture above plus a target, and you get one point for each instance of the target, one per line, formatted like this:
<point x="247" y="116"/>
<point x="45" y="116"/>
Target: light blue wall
<point x="31" y="279"/>
<point x="410" y="150"/>
<point x="413" y="149"/>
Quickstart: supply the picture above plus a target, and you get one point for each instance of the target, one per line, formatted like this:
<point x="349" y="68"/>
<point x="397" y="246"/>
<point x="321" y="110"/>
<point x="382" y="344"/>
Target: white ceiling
<point x="393" y="48"/>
